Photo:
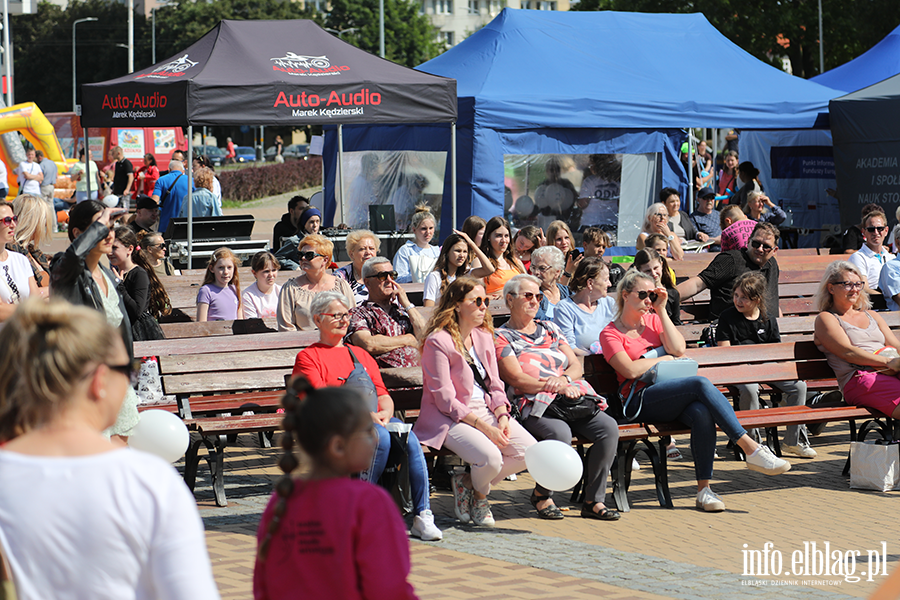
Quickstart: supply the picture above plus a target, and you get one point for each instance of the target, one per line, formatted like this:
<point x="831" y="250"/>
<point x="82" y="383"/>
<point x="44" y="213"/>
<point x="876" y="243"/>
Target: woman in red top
<point x="328" y="363"/>
<point x="146" y="176"/>
<point x="643" y="335"/>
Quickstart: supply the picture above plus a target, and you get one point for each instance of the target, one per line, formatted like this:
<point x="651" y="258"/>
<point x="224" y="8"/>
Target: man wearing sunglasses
<point x="726" y="267"/>
<point x="387" y="324"/>
<point x="873" y="255"/>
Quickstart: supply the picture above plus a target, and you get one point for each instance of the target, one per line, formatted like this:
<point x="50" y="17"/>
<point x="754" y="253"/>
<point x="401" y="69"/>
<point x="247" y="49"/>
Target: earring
<point x="102" y="393"/>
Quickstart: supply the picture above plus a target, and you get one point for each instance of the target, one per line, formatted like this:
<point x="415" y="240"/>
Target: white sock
<point x="755" y="452"/>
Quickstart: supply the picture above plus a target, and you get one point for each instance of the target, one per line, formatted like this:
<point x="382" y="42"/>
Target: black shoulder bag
<point x="165" y="196"/>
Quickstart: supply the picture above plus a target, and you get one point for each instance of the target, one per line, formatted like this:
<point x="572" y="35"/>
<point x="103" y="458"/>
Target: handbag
<point x="658" y="373"/>
<point x="395" y="477"/>
<point x="569" y="409"/>
<point x="874" y="466"/>
<point x="359" y="379"/>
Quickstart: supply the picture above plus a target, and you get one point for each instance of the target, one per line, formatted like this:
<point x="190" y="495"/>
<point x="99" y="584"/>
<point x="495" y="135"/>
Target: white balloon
<point x="161" y="433"/>
<point x="554" y="465"/>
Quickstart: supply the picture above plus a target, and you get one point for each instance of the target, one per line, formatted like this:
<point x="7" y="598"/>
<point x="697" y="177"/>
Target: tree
<point x="409" y="37"/>
<point x="770" y="28"/>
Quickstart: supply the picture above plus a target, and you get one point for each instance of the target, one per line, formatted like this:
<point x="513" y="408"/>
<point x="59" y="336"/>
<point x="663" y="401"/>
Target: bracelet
<point x="566" y="274"/>
<point x="506" y="414"/>
<point x="475" y="424"/>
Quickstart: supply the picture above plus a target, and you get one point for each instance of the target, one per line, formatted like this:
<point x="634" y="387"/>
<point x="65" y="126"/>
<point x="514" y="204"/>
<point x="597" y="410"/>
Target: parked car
<point x="215" y="155"/>
<point x="292" y="152"/>
<point x="245" y="154"/>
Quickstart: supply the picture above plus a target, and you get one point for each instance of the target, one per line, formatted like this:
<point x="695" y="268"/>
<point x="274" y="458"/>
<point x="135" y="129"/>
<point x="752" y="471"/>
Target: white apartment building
<point x="458" y="19"/>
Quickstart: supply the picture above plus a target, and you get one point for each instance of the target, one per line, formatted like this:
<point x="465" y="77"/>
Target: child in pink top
<point x="325" y="535"/>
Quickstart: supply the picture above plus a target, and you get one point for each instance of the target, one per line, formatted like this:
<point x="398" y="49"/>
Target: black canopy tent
<point x="271" y="72"/>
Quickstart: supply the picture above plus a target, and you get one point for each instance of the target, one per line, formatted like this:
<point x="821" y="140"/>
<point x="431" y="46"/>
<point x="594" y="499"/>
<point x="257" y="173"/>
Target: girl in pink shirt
<point x="324" y="535"/>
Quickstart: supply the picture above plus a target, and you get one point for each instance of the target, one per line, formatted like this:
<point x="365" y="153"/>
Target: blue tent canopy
<point x="535" y="82"/>
<point x="877" y="64"/>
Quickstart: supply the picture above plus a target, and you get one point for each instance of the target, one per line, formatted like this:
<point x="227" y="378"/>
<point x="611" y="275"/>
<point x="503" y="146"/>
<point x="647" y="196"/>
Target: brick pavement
<point x="651" y="553"/>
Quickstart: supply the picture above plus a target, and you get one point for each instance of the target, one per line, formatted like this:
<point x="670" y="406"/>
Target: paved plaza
<point x="651" y="552"/>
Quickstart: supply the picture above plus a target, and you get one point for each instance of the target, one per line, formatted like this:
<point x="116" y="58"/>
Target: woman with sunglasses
<point x="761" y="209"/>
<point x="298" y="293"/>
<point x="105" y="521"/>
<point x="547" y="263"/>
<point x="534" y="358"/>
<point x="582" y="316"/>
<point x="464" y="405"/>
<point x="329" y="363"/>
<point x="153" y="247"/>
<point x="656" y="220"/>
<point x="77" y="276"/>
<point x="857" y="342"/>
<point x="16" y="275"/>
<point x="643" y="335"/>
<point x="873" y="255"/>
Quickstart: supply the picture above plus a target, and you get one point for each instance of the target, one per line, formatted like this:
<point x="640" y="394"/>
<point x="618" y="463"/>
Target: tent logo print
<point x="300" y="65"/>
<point x="172" y="69"/>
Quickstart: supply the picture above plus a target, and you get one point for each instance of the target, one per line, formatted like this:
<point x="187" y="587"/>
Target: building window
<point x="473" y="7"/>
<point x="447" y="38"/>
<point x="547" y="5"/>
<point x="496" y="7"/>
<point x="443" y="7"/>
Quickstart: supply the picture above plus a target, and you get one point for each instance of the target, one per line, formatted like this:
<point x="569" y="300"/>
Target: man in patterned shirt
<point x="386" y="325"/>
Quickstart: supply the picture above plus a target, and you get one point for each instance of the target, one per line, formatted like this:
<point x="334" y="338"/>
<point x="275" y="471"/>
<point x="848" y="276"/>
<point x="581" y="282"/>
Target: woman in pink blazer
<point x="464" y="406"/>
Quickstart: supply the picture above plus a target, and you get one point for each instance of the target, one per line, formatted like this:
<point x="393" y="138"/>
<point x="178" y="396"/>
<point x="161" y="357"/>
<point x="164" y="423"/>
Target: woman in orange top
<point x="496" y="246"/>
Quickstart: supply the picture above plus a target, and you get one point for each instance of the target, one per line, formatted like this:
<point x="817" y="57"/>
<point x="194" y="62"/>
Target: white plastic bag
<point x="149" y="387"/>
<point x="874" y="466"/>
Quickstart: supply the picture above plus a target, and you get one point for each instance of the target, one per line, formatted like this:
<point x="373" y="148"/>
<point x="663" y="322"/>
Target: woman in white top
<point x="260" y="300"/>
<point x="16" y="275"/>
<point x="79" y="516"/>
<point x="416" y="258"/>
<point x="457" y="253"/>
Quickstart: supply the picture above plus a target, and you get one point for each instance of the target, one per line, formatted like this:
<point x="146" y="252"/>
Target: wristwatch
<point x="569" y="379"/>
<point x="670" y="238"/>
<point x="411" y="305"/>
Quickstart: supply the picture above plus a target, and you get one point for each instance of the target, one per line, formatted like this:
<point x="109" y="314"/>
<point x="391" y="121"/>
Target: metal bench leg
<point x="192" y="461"/>
<point x="622" y="476"/>
<point x="216" y="461"/>
<point x="660" y="470"/>
<point x="577" y="496"/>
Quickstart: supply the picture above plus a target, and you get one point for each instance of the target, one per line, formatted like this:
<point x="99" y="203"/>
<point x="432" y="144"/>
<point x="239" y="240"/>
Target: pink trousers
<point x="490" y="464"/>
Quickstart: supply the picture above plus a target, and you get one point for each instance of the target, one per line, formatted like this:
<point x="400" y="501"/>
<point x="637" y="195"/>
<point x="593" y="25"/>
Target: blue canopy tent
<point x="591" y="83"/>
<point x="877" y="64"/>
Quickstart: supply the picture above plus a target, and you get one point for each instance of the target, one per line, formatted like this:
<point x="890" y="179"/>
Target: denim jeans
<point x="418" y="472"/>
<point x="697" y="403"/>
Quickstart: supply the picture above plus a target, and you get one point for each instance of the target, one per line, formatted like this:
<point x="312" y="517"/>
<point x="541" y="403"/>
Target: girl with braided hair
<point x="324" y="535"/>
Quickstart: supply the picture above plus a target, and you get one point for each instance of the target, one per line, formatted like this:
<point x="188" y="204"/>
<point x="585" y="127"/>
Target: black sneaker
<point x="832" y="398"/>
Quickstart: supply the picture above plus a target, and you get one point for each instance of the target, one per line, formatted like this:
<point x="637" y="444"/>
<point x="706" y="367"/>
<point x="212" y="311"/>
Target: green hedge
<point x="252" y="183"/>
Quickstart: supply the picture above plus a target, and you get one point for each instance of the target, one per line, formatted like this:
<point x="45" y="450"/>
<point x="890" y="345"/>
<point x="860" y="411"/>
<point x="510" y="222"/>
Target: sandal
<point x="673" y="454"/>
<point x="605" y="514"/>
<point x="551" y="512"/>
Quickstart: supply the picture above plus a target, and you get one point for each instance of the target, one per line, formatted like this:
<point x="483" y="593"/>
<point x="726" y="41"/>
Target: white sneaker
<point x="462" y="499"/>
<point x="423" y="527"/>
<point x="635" y="465"/>
<point x="481" y="512"/>
<point x="709" y="501"/>
<point x="511" y="477"/>
<point x="802" y="450"/>
<point x="765" y="462"/>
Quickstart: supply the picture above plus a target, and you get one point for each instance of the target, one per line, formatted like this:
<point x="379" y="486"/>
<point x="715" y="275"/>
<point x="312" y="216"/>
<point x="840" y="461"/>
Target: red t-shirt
<point x="339" y="538"/>
<point x="613" y="341"/>
<point x="326" y="365"/>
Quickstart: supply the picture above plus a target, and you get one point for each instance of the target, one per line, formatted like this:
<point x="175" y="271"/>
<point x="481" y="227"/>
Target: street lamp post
<point x="74" y="84"/>
<point x="341" y="33"/>
<point x="153" y="36"/>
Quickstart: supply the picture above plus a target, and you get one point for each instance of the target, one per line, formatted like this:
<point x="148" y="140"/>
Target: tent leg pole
<point x="340" y="168"/>
<point x="715" y="173"/>
<point x="453" y="172"/>
<point x="690" y="203"/>
<point x="188" y="166"/>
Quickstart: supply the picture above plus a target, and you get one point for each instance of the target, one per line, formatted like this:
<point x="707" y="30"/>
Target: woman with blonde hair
<point x="560" y="235"/>
<point x="464" y="404"/>
<point x="855" y="339"/>
<point x="64" y="373"/>
<point x="762" y="210"/>
<point x="34" y="229"/>
<point x="204" y="201"/>
<point x="361" y="245"/>
<point x="417" y="257"/>
<point x="297" y="294"/>
<point x="656" y="220"/>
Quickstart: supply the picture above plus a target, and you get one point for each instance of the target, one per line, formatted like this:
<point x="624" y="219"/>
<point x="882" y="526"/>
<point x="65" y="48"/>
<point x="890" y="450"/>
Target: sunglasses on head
<point x="642" y="295"/>
<point x="7" y="221"/>
<point x="530" y="296"/>
<point x="383" y="275"/>
<point x="869" y="229"/>
<point x="129" y="370"/>
<point x="758" y="244"/>
<point x="480" y="301"/>
<point x="308" y="256"/>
